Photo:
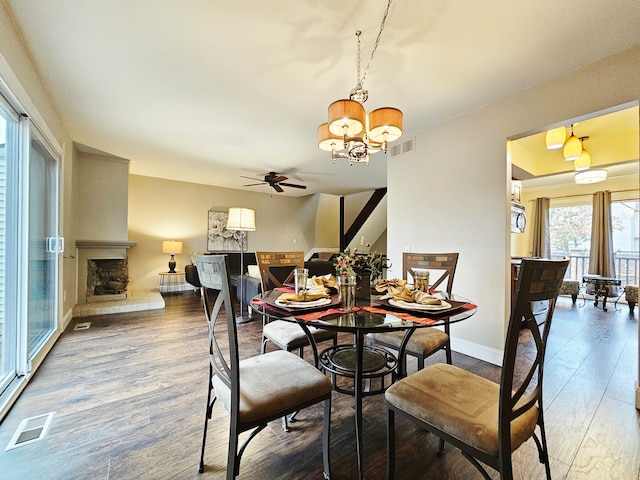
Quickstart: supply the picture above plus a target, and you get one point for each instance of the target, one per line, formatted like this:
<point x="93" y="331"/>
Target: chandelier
<point x="349" y="132"/>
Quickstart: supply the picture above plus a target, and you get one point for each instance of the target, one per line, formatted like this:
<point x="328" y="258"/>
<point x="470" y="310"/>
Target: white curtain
<point x="541" y="238"/>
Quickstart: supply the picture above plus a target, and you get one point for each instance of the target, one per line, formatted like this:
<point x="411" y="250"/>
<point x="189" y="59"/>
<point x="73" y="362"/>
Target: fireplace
<point x="107" y="279"/>
<point x="103" y="274"/>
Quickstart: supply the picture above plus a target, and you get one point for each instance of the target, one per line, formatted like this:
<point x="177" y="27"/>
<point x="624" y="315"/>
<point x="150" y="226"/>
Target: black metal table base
<point x="378" y="367"/>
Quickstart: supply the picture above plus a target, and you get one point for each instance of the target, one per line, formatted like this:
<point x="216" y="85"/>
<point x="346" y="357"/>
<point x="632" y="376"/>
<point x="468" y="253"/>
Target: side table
<point x="602" y="285"/>
<point x="173" y="282"/>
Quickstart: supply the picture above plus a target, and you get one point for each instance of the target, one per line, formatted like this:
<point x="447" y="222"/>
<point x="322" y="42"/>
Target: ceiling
<point x="612" y="139"/>
<point x="206" y="91"/>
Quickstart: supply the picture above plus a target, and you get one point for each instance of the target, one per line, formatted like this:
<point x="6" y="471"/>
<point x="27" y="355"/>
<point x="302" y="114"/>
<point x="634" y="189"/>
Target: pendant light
<point x="583" y="162"/>
<point x="572" y="147"/>
<point x="349" y="132"/>
<point x="556" y="137"/>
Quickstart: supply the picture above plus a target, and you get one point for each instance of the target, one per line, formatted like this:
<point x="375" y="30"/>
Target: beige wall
<point x="461" y="167"/>
<point x="103" y="197"/>
<point x="164" y="210"/>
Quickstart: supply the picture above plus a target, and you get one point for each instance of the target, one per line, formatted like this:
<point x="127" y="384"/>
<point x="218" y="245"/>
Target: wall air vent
<point x="404" y="147"/>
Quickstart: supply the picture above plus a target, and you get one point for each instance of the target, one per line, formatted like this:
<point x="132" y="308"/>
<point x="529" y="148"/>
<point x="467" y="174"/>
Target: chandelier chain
<point x="375" y="45"/>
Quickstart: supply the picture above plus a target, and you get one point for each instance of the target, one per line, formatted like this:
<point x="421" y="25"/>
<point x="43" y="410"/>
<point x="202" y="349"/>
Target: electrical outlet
<point x="295" y="240"/>
<point x="64" y="296"/>
<point x="407" y="248"/>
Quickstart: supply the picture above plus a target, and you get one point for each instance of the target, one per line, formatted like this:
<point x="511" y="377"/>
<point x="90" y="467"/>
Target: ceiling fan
<point x="275" y="181"/>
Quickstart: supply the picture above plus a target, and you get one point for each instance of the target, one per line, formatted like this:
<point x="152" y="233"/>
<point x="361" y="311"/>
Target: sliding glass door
<point x="29" y="246"/>
<point x="8" y="327"/>
<point x="43" y="245"/>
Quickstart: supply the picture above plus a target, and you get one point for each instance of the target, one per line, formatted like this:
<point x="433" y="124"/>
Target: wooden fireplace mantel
<point x="104" y="244"/>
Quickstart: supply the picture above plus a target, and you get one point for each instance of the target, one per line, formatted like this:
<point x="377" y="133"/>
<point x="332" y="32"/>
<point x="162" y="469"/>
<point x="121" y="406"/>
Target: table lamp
<point x="242" y="220"/>
<point x="172" y="247"/>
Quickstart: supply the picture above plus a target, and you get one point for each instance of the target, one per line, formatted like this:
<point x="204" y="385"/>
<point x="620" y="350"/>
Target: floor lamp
<point x="242" y="220"/>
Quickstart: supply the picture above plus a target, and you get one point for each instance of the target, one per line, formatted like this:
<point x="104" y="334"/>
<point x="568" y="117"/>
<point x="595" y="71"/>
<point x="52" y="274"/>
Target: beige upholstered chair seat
<point x="290" y="336"/>
<point x="423" y="341"/>
<point x="461" y="403"/>
<point x="272" y="383"/>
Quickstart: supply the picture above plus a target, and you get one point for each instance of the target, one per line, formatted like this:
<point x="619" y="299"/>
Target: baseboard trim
<point x="638" y="395"/>
<point x="476" y="350"/>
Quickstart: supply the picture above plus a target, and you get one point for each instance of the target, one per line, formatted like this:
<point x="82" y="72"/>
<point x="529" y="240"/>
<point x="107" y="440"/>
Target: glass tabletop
<point x="375" y="315"/>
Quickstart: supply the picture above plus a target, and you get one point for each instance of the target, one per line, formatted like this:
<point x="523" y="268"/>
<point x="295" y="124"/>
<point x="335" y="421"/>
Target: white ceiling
<point x="208" y="90"/>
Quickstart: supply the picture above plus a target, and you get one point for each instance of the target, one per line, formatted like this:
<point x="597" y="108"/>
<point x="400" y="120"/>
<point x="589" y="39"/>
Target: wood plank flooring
<point x="129" y="396"/>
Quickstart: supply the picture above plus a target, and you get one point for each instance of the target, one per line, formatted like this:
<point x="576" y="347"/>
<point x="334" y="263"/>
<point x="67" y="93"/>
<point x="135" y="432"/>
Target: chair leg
<point x="233" y="459"/>
<point x="207" y="416"/>
<point x="632" y="305"/>
<point x="447" y="351"/>
<point x="326" y="434"/>
<point x="441" y="447"/>
<point x="391" y="445"/>
<point x="543" y="452"/>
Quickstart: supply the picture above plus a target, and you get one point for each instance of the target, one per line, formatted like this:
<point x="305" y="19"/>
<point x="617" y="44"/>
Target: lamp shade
<point x="385" y="124"/>
<point x="591" y="176"/>
<point x="243" y="219"/>
<point x="555" y="138"/>
<point x="572" y="149"/>
<point x="171" y="246"/>
<point x="346" y="117"/>
<point x="328" y="141"/>
<point x="583" y="162"/>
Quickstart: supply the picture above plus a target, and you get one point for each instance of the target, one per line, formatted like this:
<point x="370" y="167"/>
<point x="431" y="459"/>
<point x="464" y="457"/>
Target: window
<point x="570" y="235"/>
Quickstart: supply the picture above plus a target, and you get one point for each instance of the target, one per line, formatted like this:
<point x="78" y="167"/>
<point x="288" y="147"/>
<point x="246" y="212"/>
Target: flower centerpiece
<point x="360" y="264"/>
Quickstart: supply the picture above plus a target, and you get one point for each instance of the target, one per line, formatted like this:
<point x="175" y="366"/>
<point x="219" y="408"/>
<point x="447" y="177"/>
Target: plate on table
<point x="418" y="306"/>
<point x="303" y="306"/>
<point x="321" y="302"/>
<point x="444" y="307"/>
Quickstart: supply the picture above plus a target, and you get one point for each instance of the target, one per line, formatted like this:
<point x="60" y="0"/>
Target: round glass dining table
<point x="359" y="360"/>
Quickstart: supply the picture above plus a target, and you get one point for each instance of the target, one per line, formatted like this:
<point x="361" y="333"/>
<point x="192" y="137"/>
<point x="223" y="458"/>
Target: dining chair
<point x="424" y="341"/>
<point x="487" y="421"/>
<point x="276" y="270"/>
<point x="255" y="390"/>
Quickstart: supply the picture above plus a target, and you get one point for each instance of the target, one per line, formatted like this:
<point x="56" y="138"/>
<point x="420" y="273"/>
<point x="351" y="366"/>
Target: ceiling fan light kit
<point x="349" y="132"/>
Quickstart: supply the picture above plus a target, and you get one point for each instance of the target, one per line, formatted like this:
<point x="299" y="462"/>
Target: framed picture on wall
<point x="218" y="237"/>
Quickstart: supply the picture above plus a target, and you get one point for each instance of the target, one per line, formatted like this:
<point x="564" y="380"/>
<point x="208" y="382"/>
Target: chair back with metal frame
<point x="425" y="341"/>
<point x="276" y="270"/>
<point x="239" y="384"/>
<point x="443" y="263"/>
<point x="485" y="420"/>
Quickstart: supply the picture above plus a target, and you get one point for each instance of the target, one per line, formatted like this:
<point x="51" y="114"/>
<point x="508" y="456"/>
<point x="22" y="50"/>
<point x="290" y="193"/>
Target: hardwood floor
<point x="129" y="397"/>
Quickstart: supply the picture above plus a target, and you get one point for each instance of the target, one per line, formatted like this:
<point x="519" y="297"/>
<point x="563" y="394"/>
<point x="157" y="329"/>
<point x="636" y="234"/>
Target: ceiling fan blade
<point x="254" y="184"/>
<point x="278" y="179"/>
<point x="293" y="185"/>
<point x="277" y="188"/>
<point x="251" y="178"/>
